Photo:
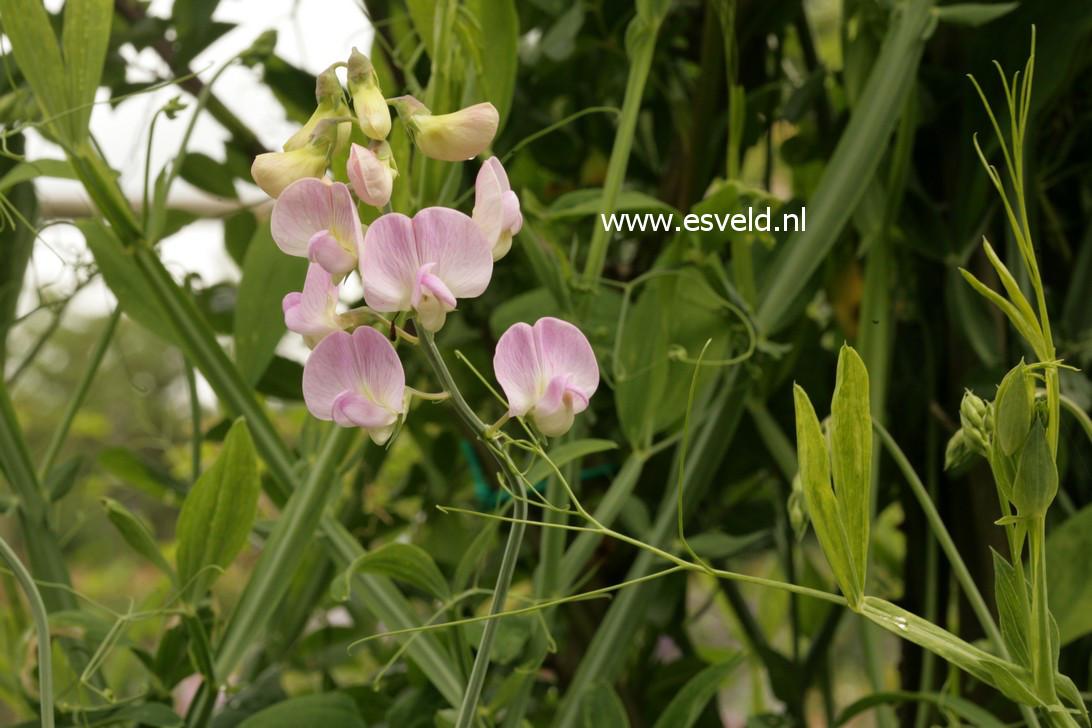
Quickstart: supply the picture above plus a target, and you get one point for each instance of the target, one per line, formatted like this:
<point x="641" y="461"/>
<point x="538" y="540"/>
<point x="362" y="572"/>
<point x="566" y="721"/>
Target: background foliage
<point x="859" y="110"/>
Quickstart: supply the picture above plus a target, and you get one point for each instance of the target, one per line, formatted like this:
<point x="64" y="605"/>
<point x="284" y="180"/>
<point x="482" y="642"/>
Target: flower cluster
<point x="415" y="267"/>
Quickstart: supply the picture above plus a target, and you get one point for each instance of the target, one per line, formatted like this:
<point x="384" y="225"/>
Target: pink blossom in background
<point x="547" y="371"/>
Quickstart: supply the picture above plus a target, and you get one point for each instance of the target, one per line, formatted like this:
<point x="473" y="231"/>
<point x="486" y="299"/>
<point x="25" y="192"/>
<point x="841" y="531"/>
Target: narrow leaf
<point x="1012" y="609"/>
<point x="331" y="710"/>
<point x="403" y="561"/>
<point x="686" y="707"/>
<point x="851" y="454"/>
<point x="137" y="534"/>
<point x="85" y="38"/>
<point x="26" y="24"/>
<point x="974" y="14"/>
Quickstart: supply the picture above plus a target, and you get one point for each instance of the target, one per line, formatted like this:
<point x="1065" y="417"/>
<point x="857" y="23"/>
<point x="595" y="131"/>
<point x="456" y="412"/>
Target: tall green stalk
<point x="41" y="626"/>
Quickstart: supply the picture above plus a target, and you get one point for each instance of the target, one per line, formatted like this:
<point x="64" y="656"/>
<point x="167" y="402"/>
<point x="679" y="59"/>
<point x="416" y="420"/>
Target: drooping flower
<point x="331" y="104"/>
<point x="356" y="380"/>
<point x="548" y="371"/>
<point x="317" y="220"/>
<point x="496" y="207"/>
<point x="453" y="137"/>
<point x="424" y="264"/>
<point x="372" y="172"/>
<point x="312" y="313"/>
<point x="274" y="171"/>
<point x="371" y="107"/>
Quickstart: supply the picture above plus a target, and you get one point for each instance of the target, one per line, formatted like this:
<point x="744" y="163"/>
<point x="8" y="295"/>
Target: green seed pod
<point x="974" y="415"/>
<point x="1036" y="481"/>
<point x="1012" y="409"/>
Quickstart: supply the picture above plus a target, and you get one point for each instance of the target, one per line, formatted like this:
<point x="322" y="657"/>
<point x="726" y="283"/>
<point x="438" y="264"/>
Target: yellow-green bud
<point x="331" y="105"/>
<point x="974" y="415"/>
<point x="368" y="100"/>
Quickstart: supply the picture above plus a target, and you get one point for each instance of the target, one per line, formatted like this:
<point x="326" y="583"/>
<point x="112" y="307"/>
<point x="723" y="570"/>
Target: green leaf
<point x="974" y="14"/>
<point x="1067" y="548"/>
<point x="603" y="707"/>
<point x="1036" y="481"/>
<point x="1013" y="609"/>
<point x="126" y="282"/>
<point x="826" y="515"/>
<point x="268" y="276"/>
<point x="564" y="454"/>
<point x="851" y="454"/>
<point x="329" y="710"/>
<point x="26" y="171"/>
<point x="218" y="511"/>
<point x="62" y="477"/>
<point x="1013" y="409"/>
<point x="135" y="472"/>
<point x="687" y="705"/>
<point x="403" y="561"/>
<point x="423" y="15"/>
<point x="944" y="702"/>
<point x="499" y="23"/>
<point x="137" y="534"/>
<point x="85" y="38"/>
<point x="205" y="173"/>
<point x="579" y="203"/>
<point x="1010" y="679"/>
<point x="38" y="56"/>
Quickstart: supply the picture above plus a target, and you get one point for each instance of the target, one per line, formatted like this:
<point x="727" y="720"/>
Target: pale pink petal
<point x="498" y="169"/>
<point x="556" y="408"/>
<point x="389" y="265"/>
<point x="308" y="206"/>
<point x="426" y="284"/>
<point x="488" y="211"/>
<point x="313" y="313"/>
<point x="518" y="368"/>
<point x="513" y="218"/>
<point x="451" y="240"/>
<point x="362" y="363"/>
<point x="351" y="409"/>
<point x="325" y="250"/>
<point x="565" y="350"/>
<point x="371" y="179"/>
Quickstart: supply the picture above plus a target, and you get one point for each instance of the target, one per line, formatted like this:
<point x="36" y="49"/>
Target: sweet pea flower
<point x="275" y="171"/>
<point x="313" y="313"/>
<point x="454" y="137"/>
<point x="372" y="172"/>
<point x="331" y="105"/>
<point x="496" y="207"/>
<point x="424" y="264"/>
<point x="548" y="371"/>
<point x="371" y="107"/>
<point x="316" y="219"/>
<point x="356" y="380"/>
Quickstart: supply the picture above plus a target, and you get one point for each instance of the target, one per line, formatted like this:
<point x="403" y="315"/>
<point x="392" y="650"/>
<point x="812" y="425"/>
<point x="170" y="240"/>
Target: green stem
<point x="41" y="626"/>
<point x="959" y="568"/>
<point x="640" y="65"/>
<point x="1042" y="663"/>
<point x="82" y="388"/>
<point x="197" y="435"/>
<point x="469" y="705"/>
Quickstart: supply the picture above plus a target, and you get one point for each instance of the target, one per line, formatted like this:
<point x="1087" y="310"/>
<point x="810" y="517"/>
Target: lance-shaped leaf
<point x="826" y="515"/>
<point x="402" y="561"/>
<point x="851" y="455"/>
<point x="1011" y="594"/>
<point x="137" y="534"/>
<point x="218" y="512"/>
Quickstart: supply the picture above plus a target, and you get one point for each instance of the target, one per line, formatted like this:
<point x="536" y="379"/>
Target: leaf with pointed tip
<point x="851" y="455"/>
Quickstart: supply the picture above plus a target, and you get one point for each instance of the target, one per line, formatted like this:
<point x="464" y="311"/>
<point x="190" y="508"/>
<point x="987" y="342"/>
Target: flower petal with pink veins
<point x="313" y="313"/>
<point x="353" y="379"/>
<point x="496" y="207"/>
<point x="310" y="206"/>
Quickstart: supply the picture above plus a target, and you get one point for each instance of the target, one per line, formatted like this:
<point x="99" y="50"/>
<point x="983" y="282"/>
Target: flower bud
<point x="368" y="101"/>
<point x="957" y="453"/>
<point x="453" y="137"/>
<point x="1036" y="481"/>
<point x="372" y="172"/>
<point x="799" y="518"/>
<point x="273" y="171"/>
<point x="331" y="105"/>
<point x="974" y="414"/>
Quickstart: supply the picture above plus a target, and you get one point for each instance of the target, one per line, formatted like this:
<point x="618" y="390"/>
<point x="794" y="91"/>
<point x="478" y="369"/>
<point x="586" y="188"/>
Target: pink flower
<point x="313" y="313"/>
<point x="316" y="219"/>
<point x="496" y="207"/>
<point x="424" y="264"/>
<point x="548" y="371"/>
<point x="356" y="380"/>
<point x="372" y="172"/>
